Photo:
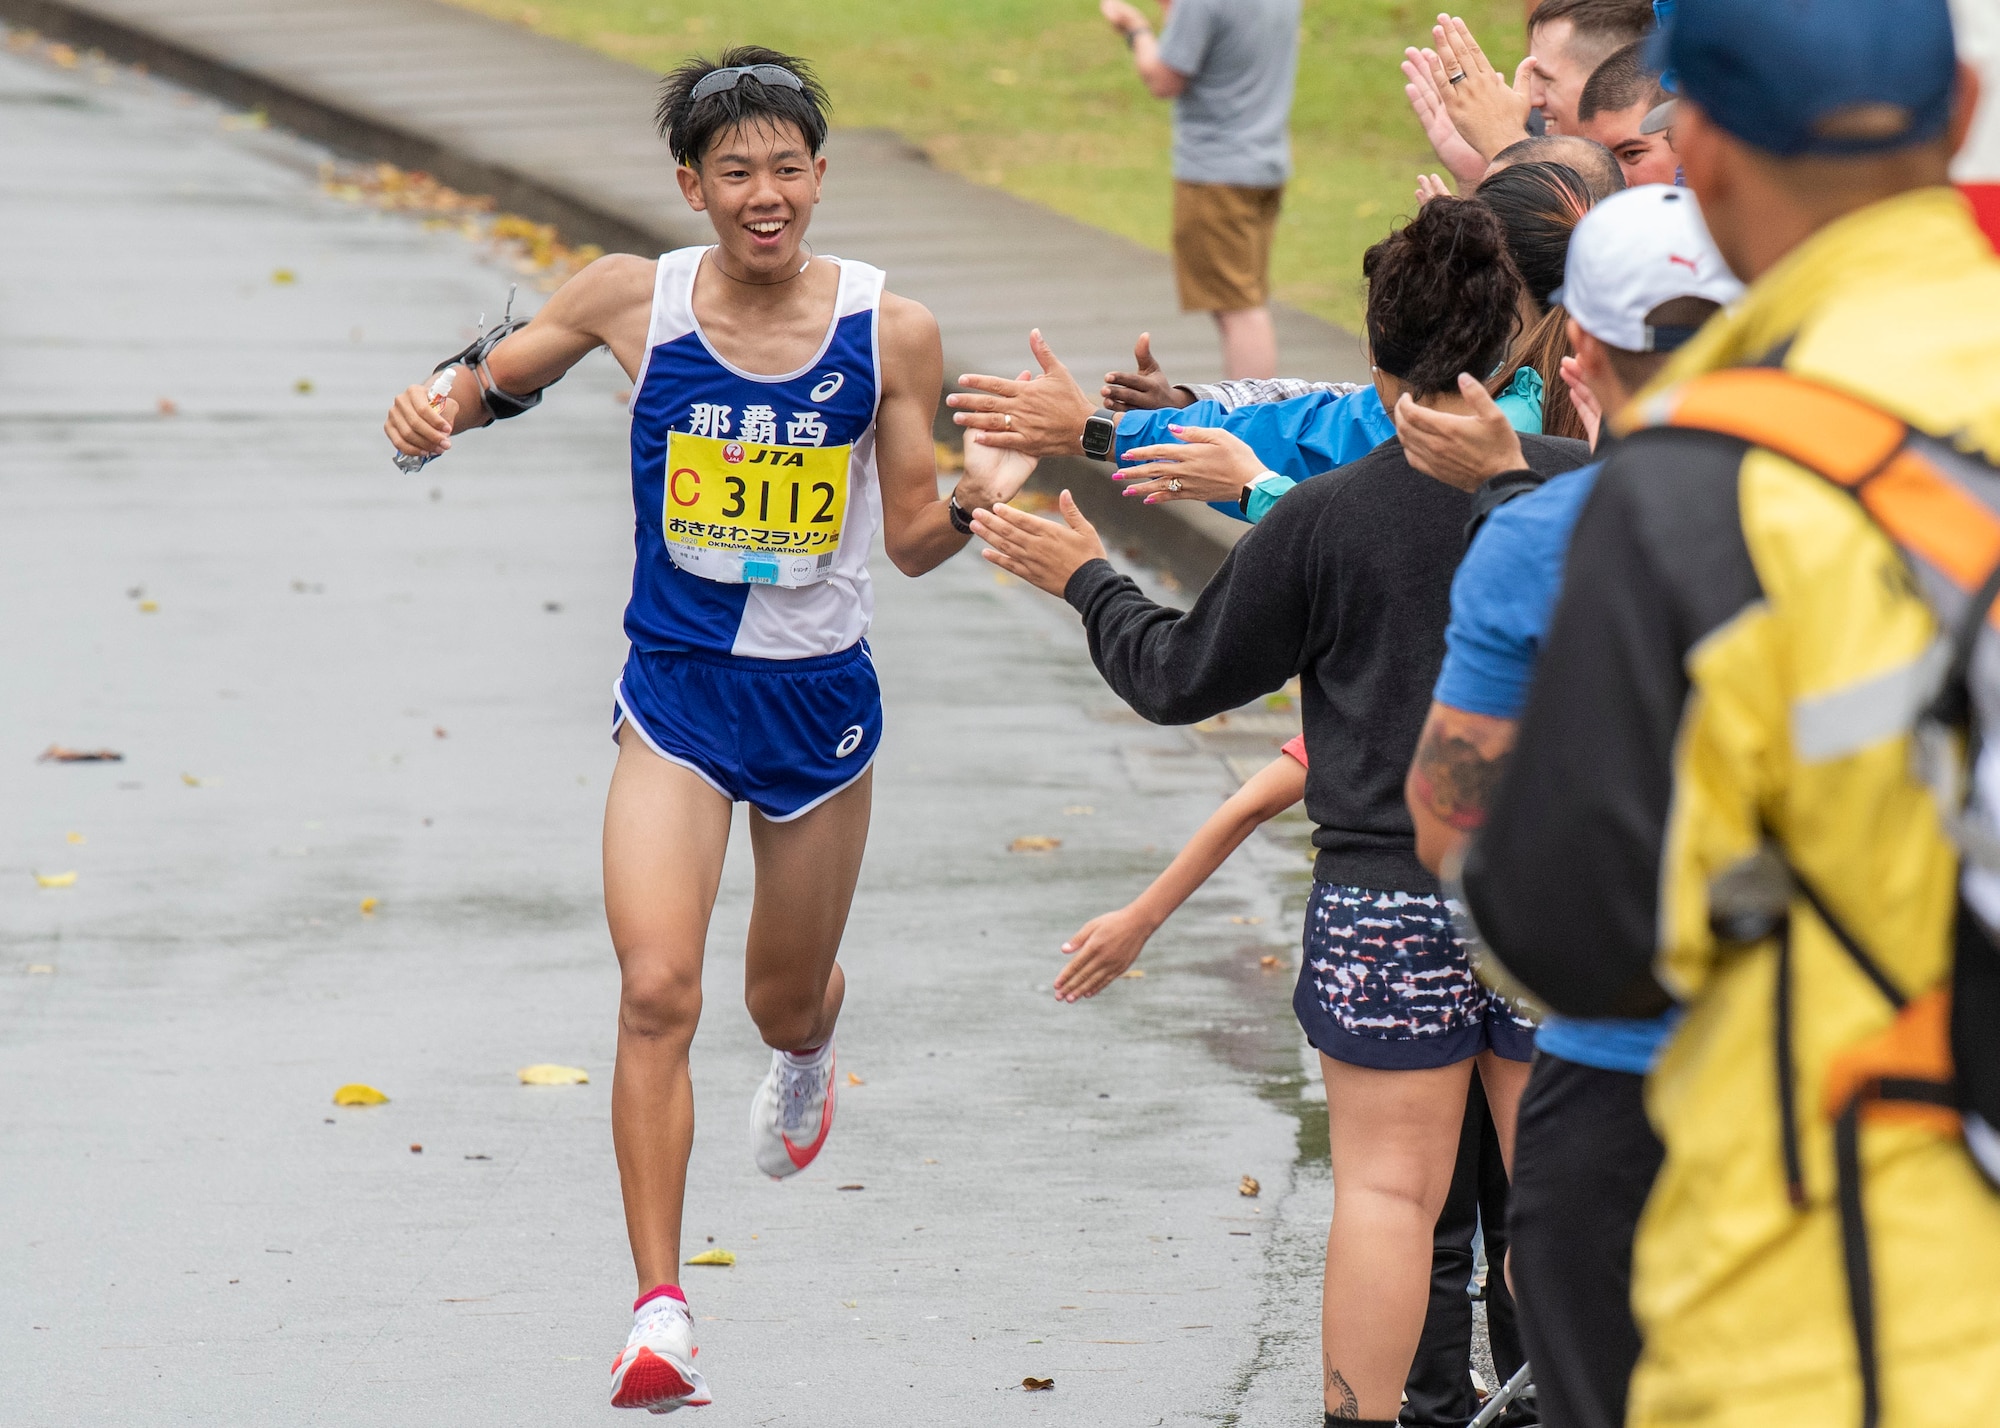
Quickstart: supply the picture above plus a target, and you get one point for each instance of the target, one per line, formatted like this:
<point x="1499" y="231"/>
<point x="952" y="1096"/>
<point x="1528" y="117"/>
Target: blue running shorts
<point x="783" y="735"/>
<point x="1386" y="983"/>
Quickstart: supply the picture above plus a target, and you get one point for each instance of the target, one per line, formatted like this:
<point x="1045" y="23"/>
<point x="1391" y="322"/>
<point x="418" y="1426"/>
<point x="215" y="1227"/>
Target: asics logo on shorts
<point x="850" y="740"/>
<point x="827" y="388"/>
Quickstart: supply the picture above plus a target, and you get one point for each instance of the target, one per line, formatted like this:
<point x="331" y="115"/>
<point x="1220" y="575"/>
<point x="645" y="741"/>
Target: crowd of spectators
<point x="1580" y="660"/>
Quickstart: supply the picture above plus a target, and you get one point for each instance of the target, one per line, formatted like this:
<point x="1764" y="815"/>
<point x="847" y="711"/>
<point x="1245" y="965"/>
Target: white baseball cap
<point x="1635" y="250"/>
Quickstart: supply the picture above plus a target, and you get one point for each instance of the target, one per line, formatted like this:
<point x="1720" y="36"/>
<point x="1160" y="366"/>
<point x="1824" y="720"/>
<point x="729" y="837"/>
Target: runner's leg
<point x="665" y="831"/>
<point x="1394" y="1138"/>
<point x="806" y="872"/>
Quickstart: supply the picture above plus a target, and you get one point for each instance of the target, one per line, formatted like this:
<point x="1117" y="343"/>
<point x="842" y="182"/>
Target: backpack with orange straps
<point x="1939" y="1060"/>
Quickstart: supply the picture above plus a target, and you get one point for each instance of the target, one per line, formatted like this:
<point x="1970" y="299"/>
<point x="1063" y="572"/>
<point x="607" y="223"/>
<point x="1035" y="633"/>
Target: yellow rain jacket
<point x="1733" y="657"/>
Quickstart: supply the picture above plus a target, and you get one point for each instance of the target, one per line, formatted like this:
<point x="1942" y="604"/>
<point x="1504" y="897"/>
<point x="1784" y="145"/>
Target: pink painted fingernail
<point x="1174" y="429"/>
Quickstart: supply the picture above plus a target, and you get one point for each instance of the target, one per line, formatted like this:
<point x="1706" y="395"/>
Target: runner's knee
<point x="659" y="1003"/>
<point x="787" y="1016"/>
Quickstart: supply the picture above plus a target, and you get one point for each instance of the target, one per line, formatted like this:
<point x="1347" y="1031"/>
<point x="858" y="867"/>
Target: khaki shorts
<point x="1222" y="245"/>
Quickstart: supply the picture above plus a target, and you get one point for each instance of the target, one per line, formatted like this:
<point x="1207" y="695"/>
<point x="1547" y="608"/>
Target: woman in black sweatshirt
<point x="1347" y="584"/>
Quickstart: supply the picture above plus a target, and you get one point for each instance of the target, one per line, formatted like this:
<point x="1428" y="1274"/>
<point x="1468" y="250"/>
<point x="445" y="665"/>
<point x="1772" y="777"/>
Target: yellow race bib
<point x="738" y="512"/>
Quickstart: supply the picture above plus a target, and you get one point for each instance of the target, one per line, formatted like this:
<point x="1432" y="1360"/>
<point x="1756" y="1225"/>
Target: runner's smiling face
<point x="757" y="183"/>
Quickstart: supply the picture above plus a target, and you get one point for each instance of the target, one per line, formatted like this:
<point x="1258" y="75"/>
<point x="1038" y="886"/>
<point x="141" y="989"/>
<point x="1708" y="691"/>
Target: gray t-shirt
<point x="1232" y="122"/>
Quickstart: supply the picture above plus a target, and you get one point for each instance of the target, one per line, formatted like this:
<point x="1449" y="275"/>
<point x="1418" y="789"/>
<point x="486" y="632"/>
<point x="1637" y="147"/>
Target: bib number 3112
<point x="740" y="512"/>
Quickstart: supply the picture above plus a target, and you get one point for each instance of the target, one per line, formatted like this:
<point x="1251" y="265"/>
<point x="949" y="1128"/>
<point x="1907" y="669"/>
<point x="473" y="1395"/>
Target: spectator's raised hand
<point x="1462" y="451"/>
<point x="1464" y="162"/>
<point x="1043" y="553"/>
<point x="1207" y="464"/>
<point x="1145" y="389"/>
<point x="1488" y="112"/>
<point x="1430" y="186"/>
<point x="1043" y="416"/>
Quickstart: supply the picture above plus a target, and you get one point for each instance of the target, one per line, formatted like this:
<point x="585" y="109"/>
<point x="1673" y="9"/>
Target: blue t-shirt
<point x="1502" y="601"/>
<point x="1306" y="436"/>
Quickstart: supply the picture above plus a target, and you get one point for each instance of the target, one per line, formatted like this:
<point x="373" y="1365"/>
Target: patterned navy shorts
<point x="1386" y="983"/>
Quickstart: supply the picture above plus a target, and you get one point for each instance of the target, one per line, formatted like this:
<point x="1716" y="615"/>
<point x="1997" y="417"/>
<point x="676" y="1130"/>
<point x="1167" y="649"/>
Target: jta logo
<point x="733" y="453"/>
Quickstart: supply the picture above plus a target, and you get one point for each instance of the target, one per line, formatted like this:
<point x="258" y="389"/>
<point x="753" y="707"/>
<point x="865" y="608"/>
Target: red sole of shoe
<point x="649" y="1381"/>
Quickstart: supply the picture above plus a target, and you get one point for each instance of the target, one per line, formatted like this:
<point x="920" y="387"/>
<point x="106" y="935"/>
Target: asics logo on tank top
<point x="755" y="496"/>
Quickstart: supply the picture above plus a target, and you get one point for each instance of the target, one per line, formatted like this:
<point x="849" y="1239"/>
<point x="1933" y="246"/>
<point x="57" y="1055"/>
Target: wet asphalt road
<point x="331" y="682"/>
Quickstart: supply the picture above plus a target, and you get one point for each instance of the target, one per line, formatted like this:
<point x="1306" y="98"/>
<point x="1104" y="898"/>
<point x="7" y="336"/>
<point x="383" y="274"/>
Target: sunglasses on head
<point x="716" y="81"/>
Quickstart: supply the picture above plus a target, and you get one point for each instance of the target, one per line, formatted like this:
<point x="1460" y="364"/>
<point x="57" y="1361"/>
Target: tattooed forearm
<point x="1340" y="1398"/>
<point x="1453" y="777"/>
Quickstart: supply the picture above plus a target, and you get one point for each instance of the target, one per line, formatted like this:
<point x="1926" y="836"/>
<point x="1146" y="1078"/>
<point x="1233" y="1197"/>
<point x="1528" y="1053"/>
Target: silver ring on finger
<point x="1174" y="483"/>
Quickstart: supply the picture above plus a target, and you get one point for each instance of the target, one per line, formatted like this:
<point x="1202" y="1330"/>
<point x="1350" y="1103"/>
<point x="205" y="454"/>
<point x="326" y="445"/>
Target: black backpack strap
<point x="1497" y="492"/>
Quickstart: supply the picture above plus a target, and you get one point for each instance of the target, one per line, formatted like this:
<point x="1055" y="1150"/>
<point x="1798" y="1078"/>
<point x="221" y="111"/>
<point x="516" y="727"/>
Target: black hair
<point x="1442" y="296"/>
<point x="1619" y="83"/>
<point x="689" y="127"/>
<point x="1597" y="164"/>
<point x="1539" y="205"/>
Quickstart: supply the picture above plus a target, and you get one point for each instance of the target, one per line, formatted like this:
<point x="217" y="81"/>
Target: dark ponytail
<point x="1538" y="204"/>
<point x="1442" y="296"/>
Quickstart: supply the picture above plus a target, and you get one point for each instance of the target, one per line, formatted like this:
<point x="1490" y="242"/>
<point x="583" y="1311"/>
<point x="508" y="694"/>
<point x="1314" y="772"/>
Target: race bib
<point x="739" y="512"/>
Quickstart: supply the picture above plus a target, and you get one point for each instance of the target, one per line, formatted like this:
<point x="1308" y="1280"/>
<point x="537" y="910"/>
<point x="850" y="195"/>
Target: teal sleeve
<point x="1521" y="403"/>
<point x="1264" y="495"/>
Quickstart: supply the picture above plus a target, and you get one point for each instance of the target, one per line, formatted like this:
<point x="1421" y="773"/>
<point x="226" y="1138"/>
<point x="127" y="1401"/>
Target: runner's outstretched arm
<point x="1108" y="944"/>
<point x="916" y="524"/>
<point x="606" y="305"/>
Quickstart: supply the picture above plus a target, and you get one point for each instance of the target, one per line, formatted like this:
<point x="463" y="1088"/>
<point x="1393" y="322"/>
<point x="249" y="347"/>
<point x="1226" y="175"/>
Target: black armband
<point x="499" y="404"/>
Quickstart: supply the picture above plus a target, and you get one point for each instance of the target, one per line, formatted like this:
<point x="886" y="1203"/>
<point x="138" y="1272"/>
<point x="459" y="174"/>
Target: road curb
<point x="1186" y="540"/>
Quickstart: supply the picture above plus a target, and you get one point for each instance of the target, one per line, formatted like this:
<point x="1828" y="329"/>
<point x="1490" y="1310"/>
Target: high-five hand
<point x="1042" y="417"/>
<point x="1207" y="464"/>
<point x="1144" y="389"/>
<point x="992" y="473"/>
<point x="1043" y="553"/>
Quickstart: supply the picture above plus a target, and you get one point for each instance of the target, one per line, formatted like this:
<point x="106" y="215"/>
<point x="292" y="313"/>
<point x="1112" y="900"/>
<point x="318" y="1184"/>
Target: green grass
<point x="1037" y="97"/>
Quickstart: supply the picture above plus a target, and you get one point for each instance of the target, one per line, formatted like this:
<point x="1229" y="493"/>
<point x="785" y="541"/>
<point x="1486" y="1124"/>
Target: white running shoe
<point x="792" y="1112"/>
<point x="655" y="1370"/>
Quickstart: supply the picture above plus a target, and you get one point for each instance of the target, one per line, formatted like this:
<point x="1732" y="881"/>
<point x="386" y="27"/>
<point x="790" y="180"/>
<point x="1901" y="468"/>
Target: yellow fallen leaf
<point x="850" y="1303"/>
<point x="41" y="969"/>
<point x="356" y="1094"/>
<point x="1038" y="1385"/>
<point x="1249" y="1187"/>
<point x="1246" y="921"/>
<point x="149" y="607"/>
<point x="544" y="1073"/>
<point x="284" y="277"/>
<point x="1134" y="974"/>
<point x="303" y="386"/>
<point x="854" y="1080"/>
<point x="1034" y="843"/>
<point x="368" y="906"/>
<point x="190" y="780"/>
<point x="1079" y="810"/>
<point x="1269" y="962"/>
<point x="78" y="838"/>
<point x="56" y="880"/>
<point x="715" y="1256"/>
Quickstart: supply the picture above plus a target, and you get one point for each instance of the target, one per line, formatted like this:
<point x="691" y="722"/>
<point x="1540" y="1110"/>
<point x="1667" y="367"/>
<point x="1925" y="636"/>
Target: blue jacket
<point x="1303" y="437"/>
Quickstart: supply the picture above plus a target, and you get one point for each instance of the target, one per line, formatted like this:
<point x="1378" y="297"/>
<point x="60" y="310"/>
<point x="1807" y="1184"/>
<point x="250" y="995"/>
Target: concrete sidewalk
<point x="564" y="135"/>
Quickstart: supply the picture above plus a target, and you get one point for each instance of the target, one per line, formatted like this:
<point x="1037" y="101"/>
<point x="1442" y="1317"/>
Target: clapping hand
<point x="1430" y="186"/>
<point x="1588" y="409"/>
<point x="1042" y="416"/>
<point x="992" y="473"/>
<point x="1465" y="163"/>
<point x="1484" y="108"/>
<point x="1146" y="389"/>
<point x="1206" y="464"/>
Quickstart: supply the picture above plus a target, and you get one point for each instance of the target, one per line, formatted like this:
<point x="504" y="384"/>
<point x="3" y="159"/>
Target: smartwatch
<point x="1100" y="434"/>
<point x="960" y="521"/>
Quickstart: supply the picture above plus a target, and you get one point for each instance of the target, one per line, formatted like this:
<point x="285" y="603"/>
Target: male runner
<point x="781" y="414"/>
